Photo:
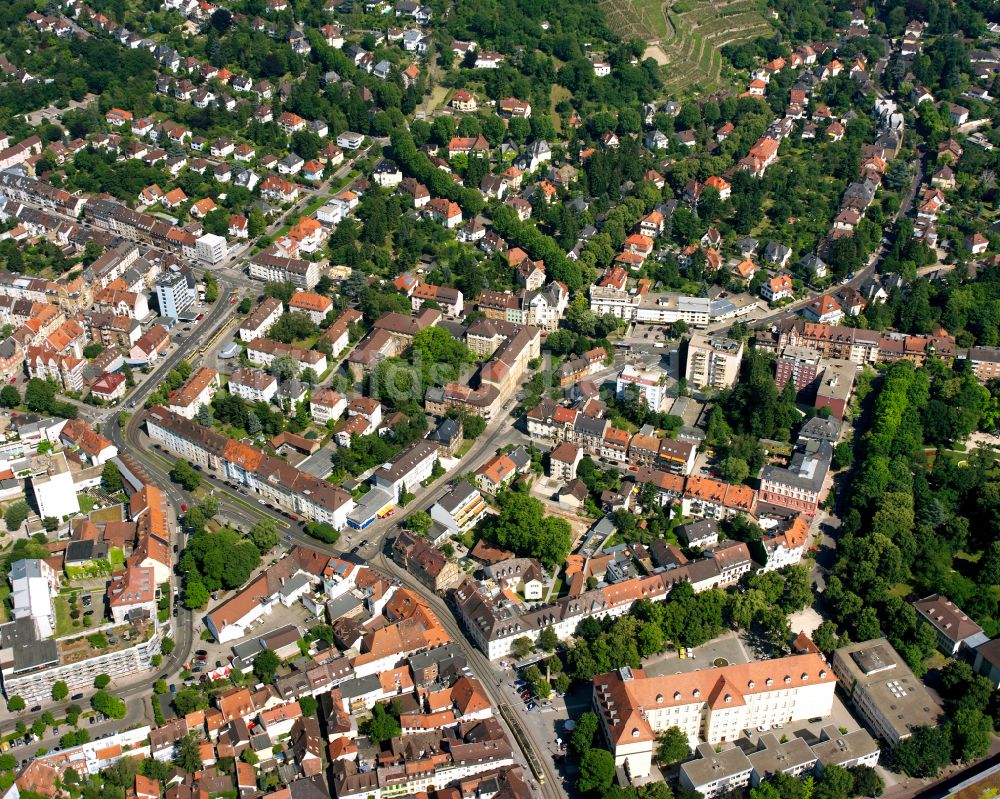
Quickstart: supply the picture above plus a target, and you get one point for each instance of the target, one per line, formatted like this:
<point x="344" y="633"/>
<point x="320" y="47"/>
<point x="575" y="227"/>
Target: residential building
<point x="315" y="306"/>
<point x="33" y="583"/>
<point x="252" y="385"/>
<point x="792" y="757"/>
<point x="55" y="494"/>
<point x="326" y="405"/>
<point x="847" y="750"/>
<point x="714" y="773"/>
<point x="460" y="508"/>
<point x="563" y="461"/>
<point x="799" y="486"/>
<point x="711" y="705"/>
<point x="261" y="319"/>
<point x="198" y="391"/>
<point x="132" y="591"/>
<point x="651" y="385"/>
<point x="427" y="563"/>
<point x="175" y="292"/>
<point x="408" y="470"/>
<point x="713" y="362"/>
<point x="833" y="389"/>
<point x="501" y="470"/>
<point x="211" y="248"/>
<point x="985" y="362"/>
<point x="884" y="691"/>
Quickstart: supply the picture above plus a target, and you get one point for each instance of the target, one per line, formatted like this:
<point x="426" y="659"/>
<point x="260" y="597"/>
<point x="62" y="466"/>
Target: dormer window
<point x="751" y="684"/>
<point x="696" y="693"/>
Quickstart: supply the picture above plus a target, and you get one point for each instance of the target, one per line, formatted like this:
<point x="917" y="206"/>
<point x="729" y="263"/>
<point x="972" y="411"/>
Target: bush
<point x="102" y="681"/>
<point x="322" y="532"/>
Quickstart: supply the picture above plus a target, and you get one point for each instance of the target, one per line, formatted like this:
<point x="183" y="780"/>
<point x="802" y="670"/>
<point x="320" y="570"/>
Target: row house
<point x="271" y="478"/>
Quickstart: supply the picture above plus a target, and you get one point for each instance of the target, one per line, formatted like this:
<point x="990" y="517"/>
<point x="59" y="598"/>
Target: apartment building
<point x="713" y="362"/>
<point x="198" y="391"/>
<point x="326" y="405"/>
<point x="314" y="305"/>
<point x="563" y="461"/>
<point x="265" y="350"/>
<point x="885" y="692"/>
<point x="408" y="469"/>
<point x="175" y="292"/>
<point x="33" y="583"/>
<point x="714" y="773"/>
<point x="30" y="665"/>
<point x="460" y="508"/>
<point x="251" y="385"/>
<point x="713" y="705"/>
<point x="269" y="266"/>
<point x="798" y="486"/>
<point x="497" y="379"/>
<point x="985" y="362"/>
<point x="651" y="385"/>
<point x="261" y="319"/>
<point x="271" y="478"/>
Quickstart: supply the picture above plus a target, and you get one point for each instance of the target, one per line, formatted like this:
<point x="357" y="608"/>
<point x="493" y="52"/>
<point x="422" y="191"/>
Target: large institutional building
<point x="712" y="705"/>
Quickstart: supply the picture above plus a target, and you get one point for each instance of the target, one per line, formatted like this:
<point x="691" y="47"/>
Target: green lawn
<point x="87" y="503"/>
<point x="464" y="447"/>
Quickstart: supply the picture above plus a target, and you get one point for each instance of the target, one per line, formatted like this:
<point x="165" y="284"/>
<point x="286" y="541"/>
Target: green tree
<point x="195" y="594"/>
<point x="59" y="691"/>
<point x="383" y="725"/>
<point x="188" y="755"/>
<point x="10" y="397"/>
<point x="184" y="475"/>
<point x="307" y="704"/>
<point x="835" y="783"/>
<point x="924" y="753"/>
<point x="111" y="479"/>
<point x="108" y="704"/>
<point x="521" y="647"/>
<point x="264" y="535"/>
<point x="971" y="734"/>
<point x="867" y="782"/>
<point x="15" y="704"/>
<point x="15" y="515"/>
<point x="548" y="639"/>
<point x="265" y="666"/>
<point x="102" y="681"/>
<point x="582" y="737"/>
<point x="672" y="747"/>
<point x="187" y="700"/>
<point x="167" y="645"/>
<point x="419" y="522"/>
<point x="597" y="771"/>
<point x="523" y="527"/>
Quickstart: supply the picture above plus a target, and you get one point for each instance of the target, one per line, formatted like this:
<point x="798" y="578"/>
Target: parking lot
<point x="728" y="647"/>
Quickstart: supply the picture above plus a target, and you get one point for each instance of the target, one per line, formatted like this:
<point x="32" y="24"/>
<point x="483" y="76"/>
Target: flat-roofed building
<point x="847" y="750"/>
<point x="792" y="757"/>
<point x="460" y="508"/>
<point x="885" y="692"/>
<point x="714" y="773"/>
<point x="713" y="362"/>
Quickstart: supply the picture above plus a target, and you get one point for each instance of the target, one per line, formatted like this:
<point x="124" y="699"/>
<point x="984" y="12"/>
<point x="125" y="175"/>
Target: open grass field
<point x="685" y="36"/>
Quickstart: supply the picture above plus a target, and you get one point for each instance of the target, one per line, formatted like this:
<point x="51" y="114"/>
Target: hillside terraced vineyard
<point x="686" y="36"/>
